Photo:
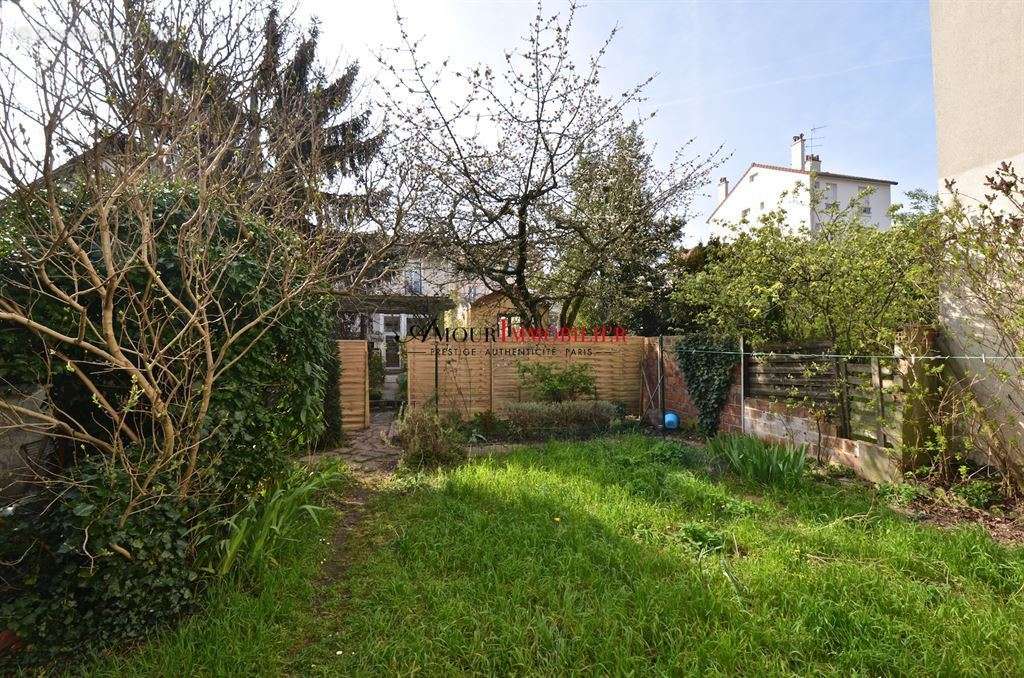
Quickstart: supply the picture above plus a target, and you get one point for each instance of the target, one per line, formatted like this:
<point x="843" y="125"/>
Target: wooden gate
<point x="354" y="384"/>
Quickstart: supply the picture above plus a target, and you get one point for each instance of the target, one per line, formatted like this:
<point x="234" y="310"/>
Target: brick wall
<point x="677" y="396"/>
<point x="774" y="422"/>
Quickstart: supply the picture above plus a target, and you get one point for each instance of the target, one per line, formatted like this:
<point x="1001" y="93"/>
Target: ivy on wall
<point x="707" y="362"/>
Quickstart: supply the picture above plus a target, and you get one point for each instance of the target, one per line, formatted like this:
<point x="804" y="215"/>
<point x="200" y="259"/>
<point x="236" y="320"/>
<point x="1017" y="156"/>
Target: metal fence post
<point x="844" y="397"/>
<point x="661" y="381"/>
<point x="743" y="385"/>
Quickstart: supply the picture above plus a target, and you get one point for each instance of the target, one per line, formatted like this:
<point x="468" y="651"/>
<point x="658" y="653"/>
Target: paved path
<point x="366" y="452"/>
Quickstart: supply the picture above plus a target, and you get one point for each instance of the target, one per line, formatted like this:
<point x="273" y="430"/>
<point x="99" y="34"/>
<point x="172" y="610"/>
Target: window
<point x="831" y="194"/>
<point x="862" y="194"/>
<point x="753" y="176"/>
<point x="745" y="213"/>
<point x="472" y="294"/>
<point x="414" y="279"/>
<point x="512" y="321"/>
<point x="762" y="204"/>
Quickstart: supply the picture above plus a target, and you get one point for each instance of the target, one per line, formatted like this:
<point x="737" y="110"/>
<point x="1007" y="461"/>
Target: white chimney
<point x="813" y="163"/>
<point x="796" y="152"/>
<point x="723" y="189"/>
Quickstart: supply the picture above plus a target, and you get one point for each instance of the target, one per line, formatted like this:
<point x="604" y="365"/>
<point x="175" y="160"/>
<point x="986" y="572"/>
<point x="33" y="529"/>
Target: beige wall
<point x="978" y="70"/>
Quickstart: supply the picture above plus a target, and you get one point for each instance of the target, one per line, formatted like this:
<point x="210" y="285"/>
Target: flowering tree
<point x="501" y="146"/>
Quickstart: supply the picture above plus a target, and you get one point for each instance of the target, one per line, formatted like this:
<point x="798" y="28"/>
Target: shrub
<point x="375" y="370"/>
<point x="80" y="569"/>
<point x="258" y="533"/>
<point x="488" y="426"/>
<point x="707" y="362"/>
<point x="977" y="493"/>
<point x="572" y="419"/>
<point x="901" y="494"/>
<point x="761" y="462"/>
<point x="63" y="564"/>
<point x="428" y="441"/>
<point x="551" y="383"/>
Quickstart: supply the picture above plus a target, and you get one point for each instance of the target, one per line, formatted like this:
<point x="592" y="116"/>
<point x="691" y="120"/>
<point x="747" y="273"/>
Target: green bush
<point x="901" y="494"/>
<point x="761" y="462"/>
<point x="551" y="383"/>
<point x="80" y="569"/>
<point x="571" y="419"/>
<point x="977" y="493"/>
<point x="707" y="363"/>
<point x="375" y="369"/>
<point x="428" y="440"/>
<point x="488" y="426"/>
<point x="66" y="584"/>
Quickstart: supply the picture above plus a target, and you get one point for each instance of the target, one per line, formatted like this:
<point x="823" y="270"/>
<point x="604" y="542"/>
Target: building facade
<point x="765" y="187"/>
<point x="978" y="78"/>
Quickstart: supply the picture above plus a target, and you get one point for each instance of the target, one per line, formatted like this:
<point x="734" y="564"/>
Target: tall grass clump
<point x="265" y="528"/>
<point x="428" y="441"/>
<point x="761" y="462"/>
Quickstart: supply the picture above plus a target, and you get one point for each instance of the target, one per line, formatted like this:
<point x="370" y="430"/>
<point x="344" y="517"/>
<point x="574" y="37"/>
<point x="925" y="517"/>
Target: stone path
<point x="367" y="452"/>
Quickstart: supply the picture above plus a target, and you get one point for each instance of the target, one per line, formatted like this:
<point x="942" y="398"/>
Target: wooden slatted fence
<point x="471" y="377"/>
<point x="354" y="384"/>
<point x="863" y="397"/>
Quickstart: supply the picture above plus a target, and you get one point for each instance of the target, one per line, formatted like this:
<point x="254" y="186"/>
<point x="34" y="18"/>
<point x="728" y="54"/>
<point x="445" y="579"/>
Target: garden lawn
<point x="608" y="557"/>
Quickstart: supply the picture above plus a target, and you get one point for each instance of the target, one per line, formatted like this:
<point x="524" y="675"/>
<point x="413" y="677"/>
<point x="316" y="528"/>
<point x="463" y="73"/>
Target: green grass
<point x="598" y="558"/>
<point x="249" y="625"/>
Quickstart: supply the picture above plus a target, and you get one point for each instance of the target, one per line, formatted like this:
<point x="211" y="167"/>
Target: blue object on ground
<point x="671" y="420"/>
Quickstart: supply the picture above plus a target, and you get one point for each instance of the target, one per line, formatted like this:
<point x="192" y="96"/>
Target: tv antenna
<point x="815" y="138"/>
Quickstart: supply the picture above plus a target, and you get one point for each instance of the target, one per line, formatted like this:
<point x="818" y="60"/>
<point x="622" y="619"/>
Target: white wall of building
<point x="764" y="189"/>
<point x="847" y="191"/>
<point x="758" y="192"/>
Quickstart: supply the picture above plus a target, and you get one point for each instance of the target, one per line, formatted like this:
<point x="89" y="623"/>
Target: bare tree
<point x="501" y="150"/>
<point x="128" y="220"/>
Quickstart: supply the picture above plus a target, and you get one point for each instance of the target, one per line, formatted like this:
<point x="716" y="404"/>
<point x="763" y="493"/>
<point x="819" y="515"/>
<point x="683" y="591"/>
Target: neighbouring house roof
<point x="782" y="168"/>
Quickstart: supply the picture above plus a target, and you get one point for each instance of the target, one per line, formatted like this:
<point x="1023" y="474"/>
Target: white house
<point x="762" y="186"/>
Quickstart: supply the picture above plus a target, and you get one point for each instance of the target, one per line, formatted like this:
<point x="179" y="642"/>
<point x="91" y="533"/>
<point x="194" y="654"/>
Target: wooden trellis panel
<point x="354" y="384"/>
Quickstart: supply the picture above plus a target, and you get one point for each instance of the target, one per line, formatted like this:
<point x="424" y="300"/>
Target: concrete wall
<point x="848" y="190"/>
<point x="19" y="450"/>
<point x="760" y="191"/>
<point x="978" y="71"/>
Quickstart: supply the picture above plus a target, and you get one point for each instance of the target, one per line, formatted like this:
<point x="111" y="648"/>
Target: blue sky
<point x="747" y="75"/>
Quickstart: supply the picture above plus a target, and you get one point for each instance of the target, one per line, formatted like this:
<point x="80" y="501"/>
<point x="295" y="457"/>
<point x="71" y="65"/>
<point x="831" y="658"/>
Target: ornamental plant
<point x="552" y="383"/>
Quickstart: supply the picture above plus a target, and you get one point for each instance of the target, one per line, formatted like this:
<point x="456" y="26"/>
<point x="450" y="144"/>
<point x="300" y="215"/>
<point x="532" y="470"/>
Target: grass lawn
<point x="596" y="557"/>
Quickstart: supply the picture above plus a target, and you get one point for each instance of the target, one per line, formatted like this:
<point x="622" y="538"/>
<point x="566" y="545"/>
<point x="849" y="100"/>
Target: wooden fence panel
<point x="863" y="397"/>
<point x="476" y="377"/>
<point x="354" y="384"/>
